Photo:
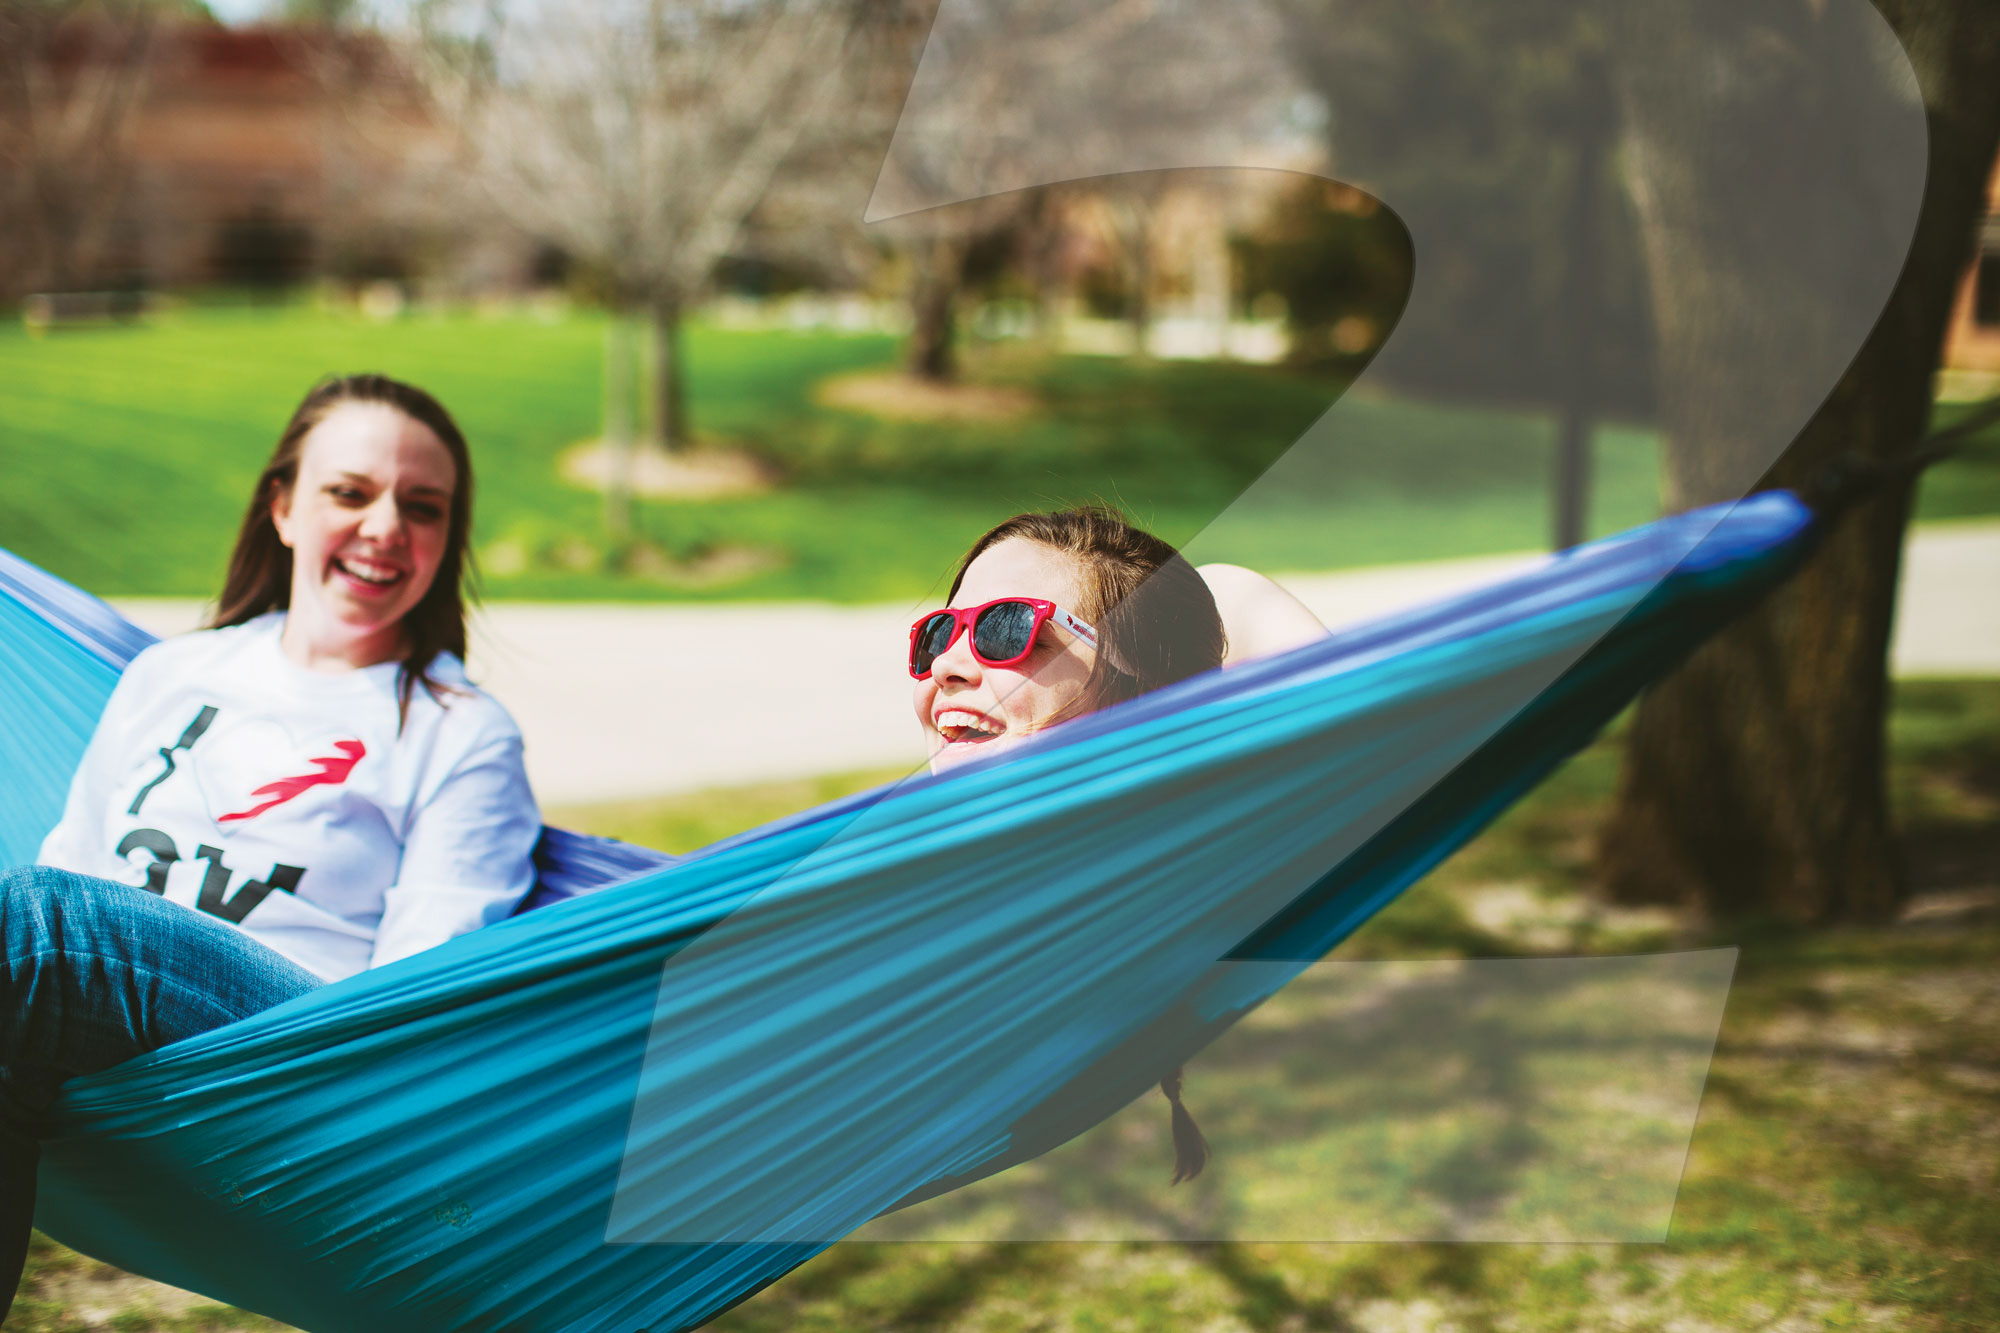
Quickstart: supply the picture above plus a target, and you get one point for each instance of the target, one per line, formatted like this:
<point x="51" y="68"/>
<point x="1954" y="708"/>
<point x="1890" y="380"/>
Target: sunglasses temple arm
<point x="1082" y="629"/>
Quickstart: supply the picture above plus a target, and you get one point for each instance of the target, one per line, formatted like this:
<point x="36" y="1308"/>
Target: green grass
<point x="1967" y="485"/>
<point x="1843" y="1173"/>
<point x="128" y="452"/>
<point x="683" y="823"/>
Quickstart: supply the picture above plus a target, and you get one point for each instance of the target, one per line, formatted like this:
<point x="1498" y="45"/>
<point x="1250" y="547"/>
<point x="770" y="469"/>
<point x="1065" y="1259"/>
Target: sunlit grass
<point x="128" y="453"/>
<point x="683" y="823"/>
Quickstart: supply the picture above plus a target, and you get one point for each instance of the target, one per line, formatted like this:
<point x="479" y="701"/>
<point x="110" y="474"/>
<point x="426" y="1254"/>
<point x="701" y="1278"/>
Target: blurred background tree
<point x="1056" y="49"/>
<point x="1338" y="263"/>
<point x="1753" y="782"/>
<point x="1517" y="142"/>
<point x="73" y="76"/>
<point x="639" y="138"/>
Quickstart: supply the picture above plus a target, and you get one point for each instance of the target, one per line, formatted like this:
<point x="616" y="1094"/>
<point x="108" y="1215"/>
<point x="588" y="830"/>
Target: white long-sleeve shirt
<point x="291" y="803"/>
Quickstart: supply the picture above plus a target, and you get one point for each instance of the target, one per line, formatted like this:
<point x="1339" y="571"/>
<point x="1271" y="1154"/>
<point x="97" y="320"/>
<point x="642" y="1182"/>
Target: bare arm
<point x="1259" y="617"/>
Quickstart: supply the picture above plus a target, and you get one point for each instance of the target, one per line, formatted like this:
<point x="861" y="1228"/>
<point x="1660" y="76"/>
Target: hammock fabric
<point x="673" y="1082"/>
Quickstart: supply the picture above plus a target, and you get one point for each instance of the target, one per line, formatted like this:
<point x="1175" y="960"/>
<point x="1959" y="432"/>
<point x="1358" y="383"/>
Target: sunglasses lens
<point x="1004" y="631"/>
<point x="932" y="639"/>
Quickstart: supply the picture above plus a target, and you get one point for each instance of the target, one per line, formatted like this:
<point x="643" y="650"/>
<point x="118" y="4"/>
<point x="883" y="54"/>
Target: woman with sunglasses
<point x="306" y="789"/>
<point x="1055" y="615"/>
<point x="1052" y="616"/>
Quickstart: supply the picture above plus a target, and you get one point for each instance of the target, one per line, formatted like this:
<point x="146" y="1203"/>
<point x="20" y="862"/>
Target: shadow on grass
<point x="1265" y="1299"/>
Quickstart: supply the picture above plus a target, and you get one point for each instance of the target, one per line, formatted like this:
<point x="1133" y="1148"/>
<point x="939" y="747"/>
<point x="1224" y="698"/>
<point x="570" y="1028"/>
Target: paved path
<point x="629" y="701"/>
<point x="1947" y="611"/>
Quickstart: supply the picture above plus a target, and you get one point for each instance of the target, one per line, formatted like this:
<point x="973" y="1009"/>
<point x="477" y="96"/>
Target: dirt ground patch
<point x="702" y="474"/>
<point x="902" y="397"/>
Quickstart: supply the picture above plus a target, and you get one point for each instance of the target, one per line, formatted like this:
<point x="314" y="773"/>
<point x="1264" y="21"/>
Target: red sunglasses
<point x="1003" y="631"/>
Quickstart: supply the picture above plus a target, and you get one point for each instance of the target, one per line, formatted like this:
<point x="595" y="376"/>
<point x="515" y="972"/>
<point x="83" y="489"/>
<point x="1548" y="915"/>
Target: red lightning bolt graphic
<point x="332" y="772"/>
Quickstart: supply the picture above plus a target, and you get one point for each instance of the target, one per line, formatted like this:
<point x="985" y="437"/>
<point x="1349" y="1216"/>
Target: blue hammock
<point x="679" y="1078"/>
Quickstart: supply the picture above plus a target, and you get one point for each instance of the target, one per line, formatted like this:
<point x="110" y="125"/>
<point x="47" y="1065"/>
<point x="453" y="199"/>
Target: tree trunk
<point x="1214" y="277"/>
<point x="1048" y="239"/>
<point x="1132" y="215"/>
<point x="940" y="267"/>
<point x="71" y="83"/>
<point x="1753" y="779"/>
<point x="1139" y="301"/>
<point x="619" y="444"/>
<point x="1593" y="117"/>
<point x="667" y="422"/>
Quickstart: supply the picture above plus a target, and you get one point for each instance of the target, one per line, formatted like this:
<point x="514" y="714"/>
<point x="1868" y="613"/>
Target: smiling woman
<point x="1056" y="615"/>
<point x="366" y="526"/>
<point x="280" y="774"/>
<point x="1015" y="652"/>
<point x="1052" y="616"/>
<point x="362" y="538"/>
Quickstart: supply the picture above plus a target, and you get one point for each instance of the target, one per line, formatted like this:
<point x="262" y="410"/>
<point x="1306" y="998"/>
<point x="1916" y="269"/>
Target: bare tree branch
<point x="74" y="75"/>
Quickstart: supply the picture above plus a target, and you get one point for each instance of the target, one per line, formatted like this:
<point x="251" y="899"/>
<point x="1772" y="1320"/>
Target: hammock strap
<point x="1845" y="481"/>
<point x="1190" y="1148"/>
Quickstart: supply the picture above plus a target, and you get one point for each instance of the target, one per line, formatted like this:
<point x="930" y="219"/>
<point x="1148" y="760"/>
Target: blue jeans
<point x="93" y="973"/>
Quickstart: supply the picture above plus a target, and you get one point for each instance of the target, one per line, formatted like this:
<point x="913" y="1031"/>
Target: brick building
<point x="238" y="156"/>
<point x="1973" y="340"/>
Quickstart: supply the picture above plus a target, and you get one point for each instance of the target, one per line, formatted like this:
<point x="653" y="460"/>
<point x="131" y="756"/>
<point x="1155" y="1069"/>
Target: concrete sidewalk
<point x="620" y="701"/>
<point x="1947" y="607"/>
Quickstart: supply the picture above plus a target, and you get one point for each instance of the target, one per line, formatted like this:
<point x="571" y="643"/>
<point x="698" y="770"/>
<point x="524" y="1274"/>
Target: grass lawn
<point x="1844" y="1172"/>
<point x="1967" y="486"/>
<point x="127" y="454"/>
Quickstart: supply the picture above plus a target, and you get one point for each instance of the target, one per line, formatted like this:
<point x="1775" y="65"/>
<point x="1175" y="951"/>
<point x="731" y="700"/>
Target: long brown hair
<point x="1157" y="624"/>
<point x="1155" y="614"/>
<point x="260" y="568"/>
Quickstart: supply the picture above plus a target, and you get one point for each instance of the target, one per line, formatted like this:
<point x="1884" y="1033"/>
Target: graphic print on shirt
<point x="215" y="884"/>
<point x="328" y="771"/>
<point x="186" y="742"/>
<point x="162" y="849"/>
<point x="252" y="766"/>
<point x="238" y="772"/>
